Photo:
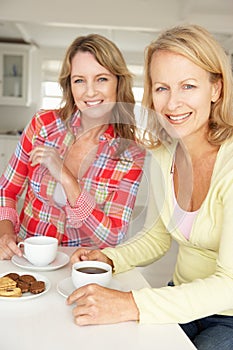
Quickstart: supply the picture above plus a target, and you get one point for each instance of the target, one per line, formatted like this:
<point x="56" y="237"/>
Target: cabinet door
<point x="14" y="70"/>
<point x="7" y="147"/>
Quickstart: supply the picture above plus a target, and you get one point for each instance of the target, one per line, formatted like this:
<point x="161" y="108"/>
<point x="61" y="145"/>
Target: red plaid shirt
<point x="103" y="210"/>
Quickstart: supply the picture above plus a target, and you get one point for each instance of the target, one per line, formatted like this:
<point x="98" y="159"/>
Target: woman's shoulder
<point x="134" y="151"/>
<point x="46" y="121"/>
<point x="225" y="153"/>
<point x="163" y="150"/>
<point x="46" y="116"/>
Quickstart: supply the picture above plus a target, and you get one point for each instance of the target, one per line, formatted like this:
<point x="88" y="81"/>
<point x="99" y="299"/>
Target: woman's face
<point x="182" y="93"/>
<point x="93" y="86"/>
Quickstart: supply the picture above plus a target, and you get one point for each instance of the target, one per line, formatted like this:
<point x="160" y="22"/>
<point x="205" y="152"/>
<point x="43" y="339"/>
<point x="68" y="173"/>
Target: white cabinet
<point x="14" y="74"/>
<point x="7" y="147"/>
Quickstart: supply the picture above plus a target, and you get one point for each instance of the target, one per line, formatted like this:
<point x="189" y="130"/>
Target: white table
<point x="46" y="322"/>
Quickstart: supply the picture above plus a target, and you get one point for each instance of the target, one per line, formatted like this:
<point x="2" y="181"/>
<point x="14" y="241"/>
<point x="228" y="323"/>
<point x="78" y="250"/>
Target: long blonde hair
<point x="200" y="47"/>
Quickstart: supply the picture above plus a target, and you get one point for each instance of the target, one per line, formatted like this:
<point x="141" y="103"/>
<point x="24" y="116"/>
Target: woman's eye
<point x="189" y="86"/>
<point x="160" y="88"/>
<point x="78" y="81"/>
<point x="102" y="79"/>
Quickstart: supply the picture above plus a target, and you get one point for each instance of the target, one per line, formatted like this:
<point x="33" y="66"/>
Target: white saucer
<point x="61" y="260"/>
<point x="65" y="287"/>
<point x="27" y="296"/>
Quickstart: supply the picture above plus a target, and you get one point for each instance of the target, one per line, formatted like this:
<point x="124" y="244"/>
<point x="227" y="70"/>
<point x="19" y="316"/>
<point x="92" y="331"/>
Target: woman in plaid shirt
<point x="80" y="164"/>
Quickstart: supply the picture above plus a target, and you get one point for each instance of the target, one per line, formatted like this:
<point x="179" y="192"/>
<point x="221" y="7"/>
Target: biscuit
<point x="37" y="287"/>
<point x="25" y="283"/>
<point x="13" y="275"/>
<point x="23" y="286"/>
<point x="7" y="282"/>
<point x="27" y="278"/>
<point x="11" y="292"/>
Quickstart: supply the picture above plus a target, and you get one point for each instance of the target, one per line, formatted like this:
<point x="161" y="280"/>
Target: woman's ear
<point x="216" y="90"/>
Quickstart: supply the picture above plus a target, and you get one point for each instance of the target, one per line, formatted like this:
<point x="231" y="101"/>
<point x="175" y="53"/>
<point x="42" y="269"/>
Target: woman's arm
<point x="104" y="224"/>
<point x="12" y="184"/>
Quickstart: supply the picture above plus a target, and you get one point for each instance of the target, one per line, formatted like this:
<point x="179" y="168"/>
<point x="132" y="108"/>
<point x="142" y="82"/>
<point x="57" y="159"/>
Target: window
<point x="138" y="94"/>
<point x="52" y="95"/>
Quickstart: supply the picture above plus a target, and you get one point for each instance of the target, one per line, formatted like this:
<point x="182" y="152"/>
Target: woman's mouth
<point x="93" y="103"/>
<point x="178" y="118"/>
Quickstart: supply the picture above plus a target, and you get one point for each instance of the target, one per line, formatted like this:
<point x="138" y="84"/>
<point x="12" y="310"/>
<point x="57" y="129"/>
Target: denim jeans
<point x="210" y="333"/>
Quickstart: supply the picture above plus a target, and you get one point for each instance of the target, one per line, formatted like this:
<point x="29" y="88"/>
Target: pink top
<point x="183" y="219"/>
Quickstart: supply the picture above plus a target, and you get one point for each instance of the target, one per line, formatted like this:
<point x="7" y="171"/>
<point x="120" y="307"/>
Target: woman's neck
<point x="197" y="144"/>
<point x="91" y="131"/>
<point x="93" y="125"/>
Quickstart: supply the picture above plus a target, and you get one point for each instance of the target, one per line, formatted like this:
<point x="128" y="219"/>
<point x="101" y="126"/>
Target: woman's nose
<point x="174" y="100"/>
<point x="90" y="90"/>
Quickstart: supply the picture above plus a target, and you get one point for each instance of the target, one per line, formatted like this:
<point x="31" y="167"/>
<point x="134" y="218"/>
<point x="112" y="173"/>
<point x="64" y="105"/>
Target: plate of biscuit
<point x="15" y="286"/>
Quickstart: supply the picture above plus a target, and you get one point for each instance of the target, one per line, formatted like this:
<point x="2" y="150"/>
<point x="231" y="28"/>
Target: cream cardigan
<point x="203" y="274"/>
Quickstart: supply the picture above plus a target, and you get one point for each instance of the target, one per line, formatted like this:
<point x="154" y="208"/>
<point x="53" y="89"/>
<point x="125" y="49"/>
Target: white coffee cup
<point x="86" y="272"/>
<point x="40" y="250"/>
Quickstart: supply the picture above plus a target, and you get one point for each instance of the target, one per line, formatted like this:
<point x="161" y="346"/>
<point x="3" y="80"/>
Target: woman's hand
<point x="99" y="305"/>
<point x="82" y="254"/>
<point x="50" y="158"/>
<point x="8" y="246"/>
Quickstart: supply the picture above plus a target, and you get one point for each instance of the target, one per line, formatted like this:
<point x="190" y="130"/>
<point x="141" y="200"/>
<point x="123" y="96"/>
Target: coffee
<point x="91" y="270"/>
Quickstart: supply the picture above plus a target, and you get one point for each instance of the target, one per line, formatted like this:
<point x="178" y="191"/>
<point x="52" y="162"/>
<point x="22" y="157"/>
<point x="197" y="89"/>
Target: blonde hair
<point x="200" y="47"/>
<point x="109" y="56"/>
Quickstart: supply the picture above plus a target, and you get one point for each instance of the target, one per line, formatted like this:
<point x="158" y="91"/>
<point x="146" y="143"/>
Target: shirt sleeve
<point x="10" y="214"/>
<point x="107" y="225"/>
<point x="82" y="209"/>
<point x="142" y="249"/>
<point x="14" y="178"/>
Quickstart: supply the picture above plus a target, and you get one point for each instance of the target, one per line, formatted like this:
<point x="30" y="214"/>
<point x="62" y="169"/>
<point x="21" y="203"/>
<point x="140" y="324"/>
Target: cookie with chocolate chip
<point x="13" y="275"/>
<point x="37" y="287"/>
<point x="23" y="286"/>
<point x="29" y="279"/>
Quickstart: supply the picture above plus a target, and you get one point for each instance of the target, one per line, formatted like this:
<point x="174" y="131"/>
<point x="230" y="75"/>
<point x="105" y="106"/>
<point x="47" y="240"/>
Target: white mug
<point x="40" y="250"/>
<point x="86" y="272"/>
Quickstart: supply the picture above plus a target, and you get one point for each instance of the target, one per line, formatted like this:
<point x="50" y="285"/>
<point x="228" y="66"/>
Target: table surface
<point x="46" y="322"/>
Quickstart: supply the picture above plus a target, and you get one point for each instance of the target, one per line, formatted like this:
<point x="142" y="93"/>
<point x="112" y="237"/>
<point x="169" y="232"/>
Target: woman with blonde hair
<point x="189" y="97"/>
<point x="80" y="163"/>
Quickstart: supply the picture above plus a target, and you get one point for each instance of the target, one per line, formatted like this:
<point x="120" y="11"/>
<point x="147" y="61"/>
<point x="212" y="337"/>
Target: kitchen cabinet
<point x="7" y="147"/>
<point x="14" y="74"/>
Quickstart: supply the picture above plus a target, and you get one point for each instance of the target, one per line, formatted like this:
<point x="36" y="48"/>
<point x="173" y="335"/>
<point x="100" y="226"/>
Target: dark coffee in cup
<point x="91" y="270"/>
<point x="86" y="272"/>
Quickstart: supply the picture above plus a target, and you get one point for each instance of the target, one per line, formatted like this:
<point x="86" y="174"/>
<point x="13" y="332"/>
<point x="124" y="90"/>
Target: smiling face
<point x="182" y="93"/>
<point x="92" y="85"/>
